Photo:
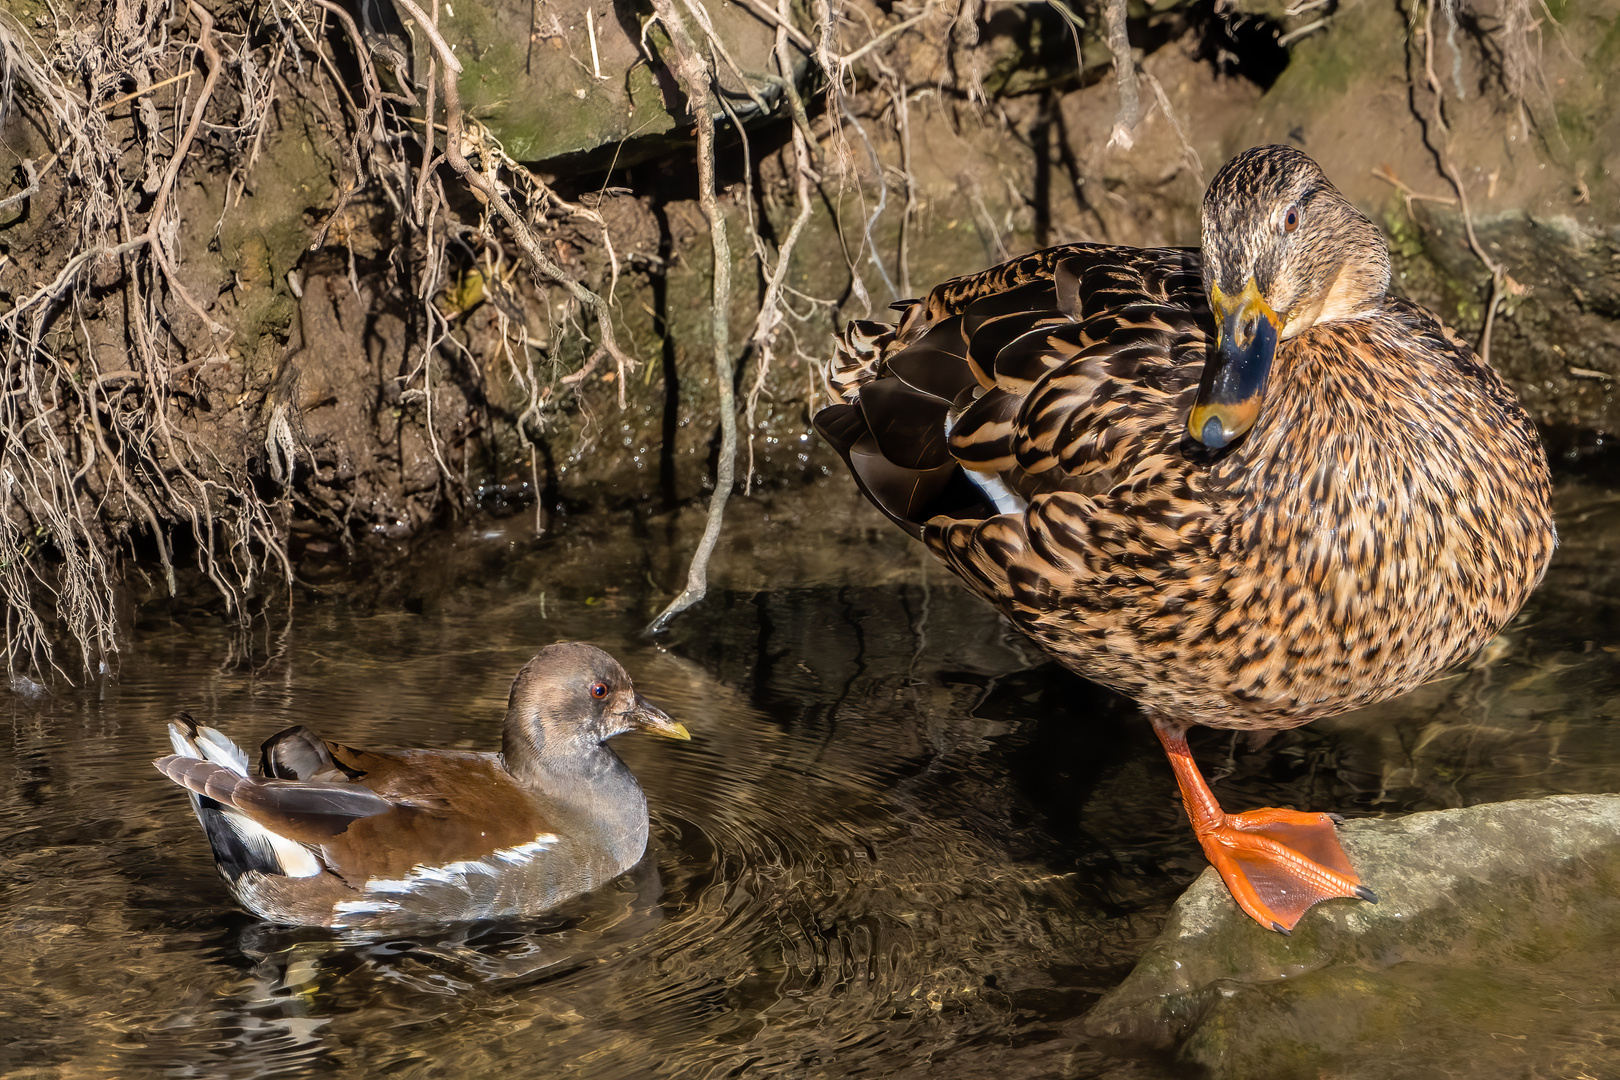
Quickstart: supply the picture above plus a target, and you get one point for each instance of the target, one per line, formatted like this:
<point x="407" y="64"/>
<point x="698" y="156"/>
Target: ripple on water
<point x="892" y="848"/>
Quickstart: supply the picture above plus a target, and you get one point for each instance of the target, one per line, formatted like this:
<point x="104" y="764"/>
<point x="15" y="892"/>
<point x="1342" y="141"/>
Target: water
<point x="899" y="843"/>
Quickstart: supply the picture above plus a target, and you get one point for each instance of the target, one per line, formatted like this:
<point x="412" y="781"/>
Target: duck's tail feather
<point x="857" y="358"/>
<point x="267" y="826"/>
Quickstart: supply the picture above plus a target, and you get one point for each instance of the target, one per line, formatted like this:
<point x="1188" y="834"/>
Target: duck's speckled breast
<point x="1386" y="517"/>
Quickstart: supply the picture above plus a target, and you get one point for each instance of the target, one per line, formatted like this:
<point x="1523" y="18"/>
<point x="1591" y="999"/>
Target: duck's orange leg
<point x="1277" y="863"/>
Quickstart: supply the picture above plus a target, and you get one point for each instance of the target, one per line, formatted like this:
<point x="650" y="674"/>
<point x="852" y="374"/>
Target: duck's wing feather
<point x="1068" y="370"/>
<point x="253" y="825"/>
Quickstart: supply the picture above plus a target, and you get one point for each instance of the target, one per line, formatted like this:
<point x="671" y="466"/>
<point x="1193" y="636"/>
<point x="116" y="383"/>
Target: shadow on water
<point x="899" y="844"/>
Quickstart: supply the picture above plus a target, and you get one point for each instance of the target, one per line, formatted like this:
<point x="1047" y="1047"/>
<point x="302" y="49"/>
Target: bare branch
<point x="699" y="88"/>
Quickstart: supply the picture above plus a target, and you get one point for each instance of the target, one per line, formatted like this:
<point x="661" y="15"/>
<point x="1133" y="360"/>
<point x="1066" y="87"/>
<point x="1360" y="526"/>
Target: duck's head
<point x="1283" y="251"/>
<point x="570" y="699"/>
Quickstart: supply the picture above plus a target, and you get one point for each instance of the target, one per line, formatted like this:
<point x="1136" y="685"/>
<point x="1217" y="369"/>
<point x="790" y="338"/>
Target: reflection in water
<point x="899" y="844"/>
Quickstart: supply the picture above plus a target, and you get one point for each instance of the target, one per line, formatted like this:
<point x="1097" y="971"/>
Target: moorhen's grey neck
<point x="564" y="706"/>
<point x="333" y="836"/>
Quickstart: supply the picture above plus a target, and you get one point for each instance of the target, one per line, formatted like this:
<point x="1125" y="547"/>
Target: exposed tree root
<point x="1521" y="77"/>
<point x="1130" y="109"/>
<point x="102" y="402"/>
<point x="114" y="351"/>
<point x="697" y="78"/>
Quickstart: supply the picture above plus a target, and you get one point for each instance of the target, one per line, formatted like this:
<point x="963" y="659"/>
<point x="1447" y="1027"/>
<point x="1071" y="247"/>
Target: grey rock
<point x="1558" y="332"/>
<point x="1492" y="947"/>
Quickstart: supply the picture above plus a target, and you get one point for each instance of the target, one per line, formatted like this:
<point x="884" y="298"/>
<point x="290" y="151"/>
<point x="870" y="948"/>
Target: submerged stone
<point x="1494" y="943"/>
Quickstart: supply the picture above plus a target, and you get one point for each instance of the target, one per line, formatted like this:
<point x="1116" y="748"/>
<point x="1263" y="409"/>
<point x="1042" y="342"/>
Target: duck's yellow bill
<point x="1234" y="382"/>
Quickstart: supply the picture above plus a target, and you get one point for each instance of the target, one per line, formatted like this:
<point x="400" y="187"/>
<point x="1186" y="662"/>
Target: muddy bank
<point x="258" y="328"/>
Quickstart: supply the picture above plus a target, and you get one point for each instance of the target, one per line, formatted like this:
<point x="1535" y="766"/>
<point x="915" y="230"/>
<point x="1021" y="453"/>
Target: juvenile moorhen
<point x="329" y="835"/>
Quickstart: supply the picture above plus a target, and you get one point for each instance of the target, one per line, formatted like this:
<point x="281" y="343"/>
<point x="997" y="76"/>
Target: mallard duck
<point x="1241" y="483"/>
<point x="329" y="835"/>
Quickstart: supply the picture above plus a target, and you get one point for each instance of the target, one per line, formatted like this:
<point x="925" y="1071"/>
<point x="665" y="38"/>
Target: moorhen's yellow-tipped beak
<point x="1234" y="382"/>
<point x="652" y="719"/>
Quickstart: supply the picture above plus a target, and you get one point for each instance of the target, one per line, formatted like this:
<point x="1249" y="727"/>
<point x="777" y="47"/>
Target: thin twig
<point x="781" y="23"/>
<point x="868" y="241"/>
<point x="1498" y="272"/>
<point x="205" y="41"/>
<point x="908" y="214"/>
<point x="154" y="227"/>
<point x="32" y="176"/>
<point x="1119" y="44"/>
<point x="1383" y="173"/>
<point x="699" y="89"/>
<point x="701" y="14"/>
<point x="1294" y="35"/>
<point x="770" y="305"/>
<point x="430" y="28"/>
<point x="1428" y="70"/>
<point x="850" y="58"/>
<point x="1188" y="152"/>
<point x="133" y="94"/>
<point x="590" y="30"/>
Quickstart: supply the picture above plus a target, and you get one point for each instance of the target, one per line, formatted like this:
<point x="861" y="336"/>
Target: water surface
<point x="899" y="844"/>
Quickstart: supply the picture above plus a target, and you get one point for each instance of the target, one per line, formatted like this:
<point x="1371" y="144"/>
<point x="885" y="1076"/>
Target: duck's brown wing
<point x="1068" y="370"/>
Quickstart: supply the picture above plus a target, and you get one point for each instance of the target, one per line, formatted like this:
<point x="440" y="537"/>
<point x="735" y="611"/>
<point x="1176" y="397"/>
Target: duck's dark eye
<point x="1291" y="219"/>
<point x="598" y="689"/>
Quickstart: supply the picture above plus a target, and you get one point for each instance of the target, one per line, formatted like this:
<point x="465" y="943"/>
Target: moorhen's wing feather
<point x="308" y="812"/>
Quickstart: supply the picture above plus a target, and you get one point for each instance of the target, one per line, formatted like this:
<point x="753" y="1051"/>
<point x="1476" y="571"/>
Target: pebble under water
<point x="900" y="843"/>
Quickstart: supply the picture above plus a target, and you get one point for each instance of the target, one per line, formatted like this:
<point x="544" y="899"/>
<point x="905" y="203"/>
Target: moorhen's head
<point x="570" y="699"/>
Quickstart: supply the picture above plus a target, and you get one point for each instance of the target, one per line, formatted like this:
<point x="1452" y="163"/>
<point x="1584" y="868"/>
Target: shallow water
<point x="898" y="844"/>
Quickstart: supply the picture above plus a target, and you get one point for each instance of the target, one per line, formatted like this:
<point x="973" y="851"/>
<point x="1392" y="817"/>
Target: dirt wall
<point x="257" y="326"/>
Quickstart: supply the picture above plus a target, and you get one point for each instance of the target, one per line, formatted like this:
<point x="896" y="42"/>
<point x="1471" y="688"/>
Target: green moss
<point x="1405" y="238"/>
<point x="1361" y="56"/>
<point x="1576" y="127"/>
<point x="1421" y="273"/>
<point x="1607" y="53"/>
<point x="28" y="12"/>
<point x="264" y="235"/>
<point x="535" y="96"/>
<point x="1300" y="1026"/>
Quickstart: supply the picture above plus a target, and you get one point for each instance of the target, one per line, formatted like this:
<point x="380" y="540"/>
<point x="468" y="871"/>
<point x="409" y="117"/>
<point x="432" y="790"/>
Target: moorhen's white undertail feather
<point x="328" y="835"/>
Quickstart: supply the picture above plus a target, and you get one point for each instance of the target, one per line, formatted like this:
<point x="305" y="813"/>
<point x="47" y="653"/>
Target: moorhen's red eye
<point x="599" y="690"/>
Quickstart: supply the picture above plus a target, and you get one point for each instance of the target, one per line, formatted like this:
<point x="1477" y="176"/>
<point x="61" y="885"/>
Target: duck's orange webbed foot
<point x="1277" y="863"/>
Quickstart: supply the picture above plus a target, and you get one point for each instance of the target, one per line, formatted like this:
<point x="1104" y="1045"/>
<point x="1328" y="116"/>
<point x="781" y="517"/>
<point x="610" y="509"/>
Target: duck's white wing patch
<point x="1006" y="500"/>
<point x="491" y="865"/>
<point x="349" y="912"/>
<point x="271" y="853"/>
